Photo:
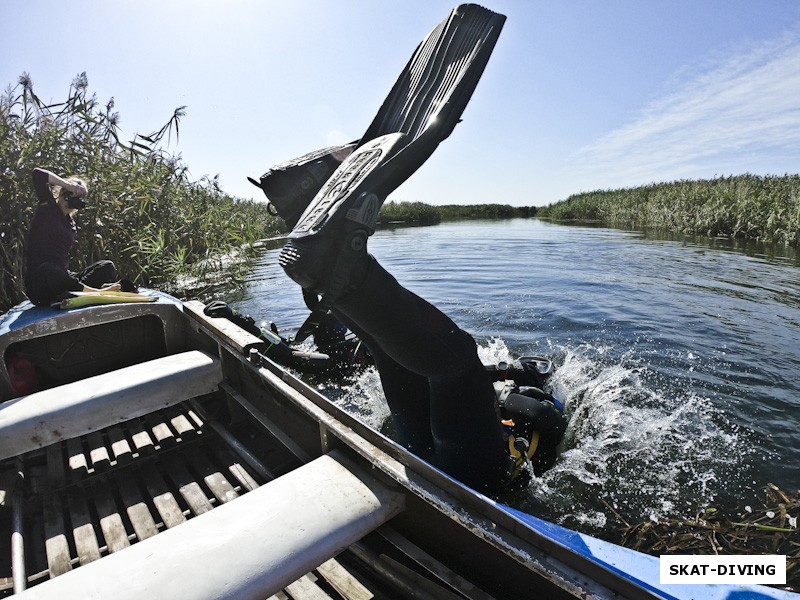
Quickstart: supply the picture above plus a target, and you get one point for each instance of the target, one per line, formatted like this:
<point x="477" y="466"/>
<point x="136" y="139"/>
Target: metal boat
<point x="162" y="455"/>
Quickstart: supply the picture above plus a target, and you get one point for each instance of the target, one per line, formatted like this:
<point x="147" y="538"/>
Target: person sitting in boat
<point x="50" y="239"/>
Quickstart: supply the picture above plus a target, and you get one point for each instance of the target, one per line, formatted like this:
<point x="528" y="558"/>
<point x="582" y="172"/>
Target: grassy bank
<point x="144" y="212"/>
<point x="763" y="208"/>
<point x="453" y="212"/>
<point x="419" y="213"/>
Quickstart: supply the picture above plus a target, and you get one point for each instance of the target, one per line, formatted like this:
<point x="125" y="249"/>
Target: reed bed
<point x="761" y="208"/>
<point x="485" y="211"/>
<point x="144" y="211"/>
<point x="769" y="528"/>
<point x="408" y="213"/>
<point x="420" y="213"/>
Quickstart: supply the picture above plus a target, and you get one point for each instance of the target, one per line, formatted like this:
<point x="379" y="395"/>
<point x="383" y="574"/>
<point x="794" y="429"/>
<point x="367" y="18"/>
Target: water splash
<point x="638" y="447"/>
<point x="494" y="351"/>
<point x="645" y="452"/>
<point x="362" y="395"/>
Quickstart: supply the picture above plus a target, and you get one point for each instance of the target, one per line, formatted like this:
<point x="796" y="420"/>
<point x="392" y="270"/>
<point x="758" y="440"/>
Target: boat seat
<point x="251" y="547"/>
<point x="82" y="407"/>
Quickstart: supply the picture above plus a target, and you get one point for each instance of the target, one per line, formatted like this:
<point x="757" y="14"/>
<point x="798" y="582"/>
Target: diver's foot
<point x="355" y="192"/>
<point x="307" y="260"/>
<point x="329" y="265"/>
<point x="329" y="240"/>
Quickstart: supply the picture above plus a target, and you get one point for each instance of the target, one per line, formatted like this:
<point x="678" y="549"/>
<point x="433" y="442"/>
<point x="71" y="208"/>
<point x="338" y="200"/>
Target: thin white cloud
<point x="734" y="115"/>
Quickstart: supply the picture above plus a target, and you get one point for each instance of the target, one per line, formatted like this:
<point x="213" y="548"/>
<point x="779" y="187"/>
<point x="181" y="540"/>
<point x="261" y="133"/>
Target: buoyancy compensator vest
<point x="532" y="419"/>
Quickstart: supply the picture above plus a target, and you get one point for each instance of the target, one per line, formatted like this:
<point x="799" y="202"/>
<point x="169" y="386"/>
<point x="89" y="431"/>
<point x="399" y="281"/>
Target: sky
<point x="579" y="95"/>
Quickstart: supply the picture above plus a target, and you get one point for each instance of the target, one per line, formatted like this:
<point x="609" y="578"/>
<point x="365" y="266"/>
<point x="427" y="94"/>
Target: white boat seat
<point x="81" y="407"/>
<point x="249" y="548"/>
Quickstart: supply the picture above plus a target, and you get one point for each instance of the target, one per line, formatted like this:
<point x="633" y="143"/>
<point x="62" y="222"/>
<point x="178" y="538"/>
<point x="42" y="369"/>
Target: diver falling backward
<point x="442" y="401"/>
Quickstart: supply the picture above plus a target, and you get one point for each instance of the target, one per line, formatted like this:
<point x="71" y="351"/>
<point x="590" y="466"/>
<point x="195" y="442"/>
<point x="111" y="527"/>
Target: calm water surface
<point x="678" y="361"/>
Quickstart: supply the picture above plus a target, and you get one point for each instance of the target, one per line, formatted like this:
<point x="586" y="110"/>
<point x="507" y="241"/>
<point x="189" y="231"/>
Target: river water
<point x="678" y="360"/>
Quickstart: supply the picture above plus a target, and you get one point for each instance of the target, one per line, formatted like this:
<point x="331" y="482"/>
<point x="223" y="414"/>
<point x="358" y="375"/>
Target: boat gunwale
<point x="551" y="557"/>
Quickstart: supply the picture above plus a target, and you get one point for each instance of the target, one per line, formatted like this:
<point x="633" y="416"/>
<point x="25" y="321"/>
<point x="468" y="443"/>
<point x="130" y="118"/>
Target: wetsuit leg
<point x="467" y="436"/>
<point x="407" y="394"/>
<point x="98" y="274"/>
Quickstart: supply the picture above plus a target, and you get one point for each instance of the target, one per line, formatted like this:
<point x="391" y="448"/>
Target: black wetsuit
<point x="441" y="399"/>
<point x="49" y="241"/>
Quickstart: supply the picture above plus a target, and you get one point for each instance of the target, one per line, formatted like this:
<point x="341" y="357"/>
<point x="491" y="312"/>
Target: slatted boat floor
<point x="100" y="493"/>
<point x="94" y="495"/>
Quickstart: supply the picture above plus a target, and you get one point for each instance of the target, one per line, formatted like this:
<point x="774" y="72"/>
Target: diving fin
<point x="421" y="110"/>
<point x="291" y="186"/>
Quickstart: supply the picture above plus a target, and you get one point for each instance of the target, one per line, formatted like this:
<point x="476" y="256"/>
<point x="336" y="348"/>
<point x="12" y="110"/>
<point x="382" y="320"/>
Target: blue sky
<point x="579" y="94"/>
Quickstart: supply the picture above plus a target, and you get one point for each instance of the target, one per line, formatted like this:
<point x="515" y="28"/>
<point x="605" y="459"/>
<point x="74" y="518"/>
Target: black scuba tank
<point x="532" y="419"/>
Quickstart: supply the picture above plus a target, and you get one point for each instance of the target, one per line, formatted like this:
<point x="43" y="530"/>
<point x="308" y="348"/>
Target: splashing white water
<point x="645" y="453"/>
<point x="494" y="351"/>
<point x="363" y="396"/>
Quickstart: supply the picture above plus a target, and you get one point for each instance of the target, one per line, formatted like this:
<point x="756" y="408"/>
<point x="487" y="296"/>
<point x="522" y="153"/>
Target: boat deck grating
<point x="88" y="497"/>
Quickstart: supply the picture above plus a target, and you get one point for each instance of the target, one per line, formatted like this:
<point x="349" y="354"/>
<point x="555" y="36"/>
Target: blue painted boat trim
<point x="26" y="313"/>
<point x="641" y="568"/>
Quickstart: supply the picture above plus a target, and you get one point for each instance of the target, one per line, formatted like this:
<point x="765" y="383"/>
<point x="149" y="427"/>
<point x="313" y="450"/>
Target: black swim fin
<point x="424" y="105"/>
<point x="421" y="110"/>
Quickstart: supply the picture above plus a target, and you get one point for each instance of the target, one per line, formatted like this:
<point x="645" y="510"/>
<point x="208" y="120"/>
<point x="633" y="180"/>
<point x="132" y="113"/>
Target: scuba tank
<point x="532" y="419"/>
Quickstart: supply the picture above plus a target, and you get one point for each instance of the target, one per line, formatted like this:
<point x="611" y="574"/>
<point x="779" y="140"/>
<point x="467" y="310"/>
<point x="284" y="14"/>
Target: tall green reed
<point x="761" y="208"/>
<point x="144" y="212"/>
